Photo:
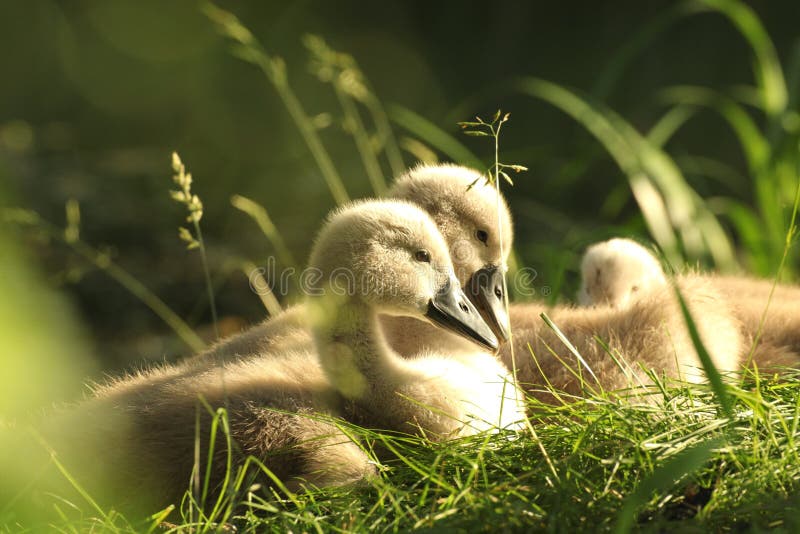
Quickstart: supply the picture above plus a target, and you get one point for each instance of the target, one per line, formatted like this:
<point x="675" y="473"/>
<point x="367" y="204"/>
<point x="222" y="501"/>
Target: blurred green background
<point x="95" y="95"/>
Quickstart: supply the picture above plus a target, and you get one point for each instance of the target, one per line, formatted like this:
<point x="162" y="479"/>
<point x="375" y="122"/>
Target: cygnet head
<point x="390" y="256"/>
<point x="466" y="209"/>
<point x="618" y="271"/>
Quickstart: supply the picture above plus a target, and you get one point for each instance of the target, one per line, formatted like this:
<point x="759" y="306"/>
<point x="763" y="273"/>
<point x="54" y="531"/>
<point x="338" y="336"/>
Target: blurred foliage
<point x="46" y="355"/>
<point x="673" y="121"/>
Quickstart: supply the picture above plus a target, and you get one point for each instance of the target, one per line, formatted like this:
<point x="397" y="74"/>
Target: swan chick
<point x="626" y="265"/>
<point x="616" y="272"/>
<point x="133" y="442"/>
<point x="467" y="217"/>
<point x="636" y="312"/>
<point x="650" y="333"/>
<point x="471" y="215"/>
<point x="402" y="267"/>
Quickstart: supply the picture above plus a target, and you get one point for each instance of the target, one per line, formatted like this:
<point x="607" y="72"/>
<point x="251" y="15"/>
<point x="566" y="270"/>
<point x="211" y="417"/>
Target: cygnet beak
<point x="485" y="290"/>
<point x="451" y="309"/>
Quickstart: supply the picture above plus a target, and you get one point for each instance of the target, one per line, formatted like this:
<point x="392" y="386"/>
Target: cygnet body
<point x="611" y="269"/>
<point x="649" y="334"/>
<point x="134" y="439"/>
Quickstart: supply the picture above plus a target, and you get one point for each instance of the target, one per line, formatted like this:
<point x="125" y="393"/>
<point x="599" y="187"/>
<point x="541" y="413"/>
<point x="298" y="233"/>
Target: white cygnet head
<point x="467" y="211"/>
<point x="390" y="257"/>
<point x="617" y="272"/>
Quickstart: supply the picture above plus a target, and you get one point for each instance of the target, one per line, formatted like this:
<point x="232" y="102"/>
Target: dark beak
<point x="452" y="309"/>
<point x="485" y="290"/>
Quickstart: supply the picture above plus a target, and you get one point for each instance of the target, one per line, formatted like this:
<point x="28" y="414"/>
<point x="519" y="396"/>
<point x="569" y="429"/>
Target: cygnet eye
<point x="482" y="236"/>
<point x="634" y="289"/>
<point x="422" y="255"/>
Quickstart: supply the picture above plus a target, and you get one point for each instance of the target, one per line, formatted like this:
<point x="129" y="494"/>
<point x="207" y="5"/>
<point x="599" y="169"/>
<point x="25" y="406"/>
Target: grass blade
<point x="567" y="343"/>
<point x="349" y="86"/>
<point x="788" y="242"/>
<point x="261" y="217"/>
<point x="273" y="67"/>
<point x="663" y="478"/>
<point x="434" y="136"/>
<point x="767" y="68"/>
<point x="713" y="375"/>
<point x="754" y="144"/>
<point x="104" y="263"/>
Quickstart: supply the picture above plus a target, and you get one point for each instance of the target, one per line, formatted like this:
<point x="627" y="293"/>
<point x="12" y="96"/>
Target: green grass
<point x="675" y="463"/>
<point x="603" y="452"/>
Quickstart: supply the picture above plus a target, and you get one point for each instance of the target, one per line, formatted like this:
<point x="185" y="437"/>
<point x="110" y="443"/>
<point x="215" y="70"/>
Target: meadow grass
<point x="677" y="462"/>
<point x="604" y="462"/>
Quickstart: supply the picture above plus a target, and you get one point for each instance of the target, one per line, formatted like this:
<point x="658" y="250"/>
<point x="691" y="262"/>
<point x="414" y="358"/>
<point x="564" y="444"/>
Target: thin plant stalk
<point x="501" y="240"/>
<point x="266" y="295"/>
<point x="195" y="208"/>
<point x="507" y="305"/>
<point x="196" y="466"/>
<point x="261" y="217"/>
<point x="789" y="241"/>
<point x="207" y="275"/>
<point x="492" y="129"/>
<point x="68" y="476"/>
<point x="274" y="68"/>
<point x="350" y="87"/>
<point x="381" y="120"/>
<point x="359" y="133"/>
<point x="309" y="134"/>
<point x="104" y="263"/>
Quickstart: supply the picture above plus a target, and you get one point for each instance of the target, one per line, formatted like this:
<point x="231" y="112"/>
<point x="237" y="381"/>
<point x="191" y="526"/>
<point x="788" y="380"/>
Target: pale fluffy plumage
<point x="612" y="268"/>
<point x="650" y="333"/>
<point x="287" y="331"/>
<point x="132" y="443"/>
<point x="135" y="437"/>
<point x="459" y="211"/>
<point x="353" y="351"/>
<point x="655" y="336"/>
<point x="615" y="271"/>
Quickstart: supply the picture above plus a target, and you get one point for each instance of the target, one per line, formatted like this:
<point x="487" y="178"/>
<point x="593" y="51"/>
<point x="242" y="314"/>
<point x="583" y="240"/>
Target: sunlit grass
<point x="675" y="462"/>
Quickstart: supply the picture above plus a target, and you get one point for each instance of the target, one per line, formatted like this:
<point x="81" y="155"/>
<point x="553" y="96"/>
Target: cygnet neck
<point x="353" y="351"/>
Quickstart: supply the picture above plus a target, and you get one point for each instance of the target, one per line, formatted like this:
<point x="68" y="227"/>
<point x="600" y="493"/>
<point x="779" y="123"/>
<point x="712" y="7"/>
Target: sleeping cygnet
<point x="619" y="271"/>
